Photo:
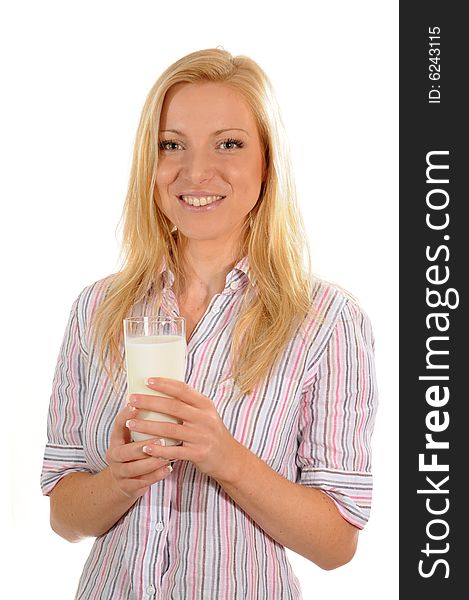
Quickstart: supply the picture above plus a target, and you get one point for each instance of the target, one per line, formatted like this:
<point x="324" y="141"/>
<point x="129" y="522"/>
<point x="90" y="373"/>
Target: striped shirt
<point x="311" y="421"/>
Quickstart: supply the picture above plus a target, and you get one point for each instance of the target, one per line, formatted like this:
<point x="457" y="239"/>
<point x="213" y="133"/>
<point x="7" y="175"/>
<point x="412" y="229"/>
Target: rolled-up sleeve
<point x="337" y="417"/>
<point x="64" y="452"/>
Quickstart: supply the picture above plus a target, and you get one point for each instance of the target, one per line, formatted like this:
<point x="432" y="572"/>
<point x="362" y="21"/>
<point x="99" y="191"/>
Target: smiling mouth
<point x="199" y="200"/>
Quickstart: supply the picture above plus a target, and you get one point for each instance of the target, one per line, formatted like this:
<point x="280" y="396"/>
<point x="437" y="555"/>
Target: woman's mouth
<point x="200" y="203"/>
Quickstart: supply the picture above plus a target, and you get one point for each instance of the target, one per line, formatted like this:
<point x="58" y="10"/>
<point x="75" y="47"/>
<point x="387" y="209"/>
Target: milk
<point x="154" y="356"/>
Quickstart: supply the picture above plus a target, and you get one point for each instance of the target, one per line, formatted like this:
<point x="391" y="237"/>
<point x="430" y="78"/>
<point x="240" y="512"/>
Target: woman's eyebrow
<point x="177" y="132"/>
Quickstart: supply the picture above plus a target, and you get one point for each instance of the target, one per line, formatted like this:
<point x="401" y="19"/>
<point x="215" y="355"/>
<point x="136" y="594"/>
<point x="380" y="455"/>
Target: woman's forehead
<point x="218" y="104"/>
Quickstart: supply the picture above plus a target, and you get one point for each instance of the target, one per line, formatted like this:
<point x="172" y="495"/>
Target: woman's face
<point x="209" y="153"/>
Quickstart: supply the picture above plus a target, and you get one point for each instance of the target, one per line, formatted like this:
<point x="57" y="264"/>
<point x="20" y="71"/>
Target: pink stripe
<point x="73" y="406"/>
<point x="321" y="302"/>
<point x="228" y="546"/>
<point x="124" y="580"/>
<point x="337" y="403"/>
<point x="196" y="531"/>
<point x="362" y="498"/>
<point x="306" y="439"/>
<point x="363" y="412"/>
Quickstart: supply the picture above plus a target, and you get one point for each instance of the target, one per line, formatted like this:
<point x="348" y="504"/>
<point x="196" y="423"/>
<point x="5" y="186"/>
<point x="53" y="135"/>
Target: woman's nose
<point x="198" y="165"/>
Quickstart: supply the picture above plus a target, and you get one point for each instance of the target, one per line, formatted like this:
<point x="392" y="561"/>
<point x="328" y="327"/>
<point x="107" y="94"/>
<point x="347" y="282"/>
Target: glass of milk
<point x="154" y="347"/>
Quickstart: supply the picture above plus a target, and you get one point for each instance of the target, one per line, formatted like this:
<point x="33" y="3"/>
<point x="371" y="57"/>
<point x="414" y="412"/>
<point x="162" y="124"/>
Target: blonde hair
<point x="274" y="237"/>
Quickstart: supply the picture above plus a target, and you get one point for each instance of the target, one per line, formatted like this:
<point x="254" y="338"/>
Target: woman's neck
<point x="206" y="266"/>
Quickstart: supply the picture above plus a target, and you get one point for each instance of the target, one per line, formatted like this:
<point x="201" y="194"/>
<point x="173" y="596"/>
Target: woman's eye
<point x="168" y="145"/>
<point x="232" y="143"/>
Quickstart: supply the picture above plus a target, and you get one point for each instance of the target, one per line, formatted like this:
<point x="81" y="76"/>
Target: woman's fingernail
<point x="131" y="408"/>
<point x="169" y="468"/>
<point x="129" y="423"/>
<point x="159" y="442"/>
<point x="147" y="449"/>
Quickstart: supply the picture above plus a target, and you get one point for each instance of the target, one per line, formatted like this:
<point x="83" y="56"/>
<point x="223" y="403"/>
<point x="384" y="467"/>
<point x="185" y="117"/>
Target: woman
<point x="279" y="401"/>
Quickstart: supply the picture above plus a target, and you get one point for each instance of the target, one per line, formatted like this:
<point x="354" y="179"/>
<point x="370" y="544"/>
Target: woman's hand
<point x="132" y="470"/>
<point x="206" y="442"/>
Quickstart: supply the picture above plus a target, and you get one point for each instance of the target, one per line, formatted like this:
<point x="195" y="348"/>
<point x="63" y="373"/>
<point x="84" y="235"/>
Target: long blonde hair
<point x="274" y="240"/>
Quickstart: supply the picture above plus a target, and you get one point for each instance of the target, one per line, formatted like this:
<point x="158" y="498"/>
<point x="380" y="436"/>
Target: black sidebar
<point x="434" y="330"/>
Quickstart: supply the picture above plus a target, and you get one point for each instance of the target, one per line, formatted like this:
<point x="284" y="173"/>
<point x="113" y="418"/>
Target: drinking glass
<point x="154" y="347"/>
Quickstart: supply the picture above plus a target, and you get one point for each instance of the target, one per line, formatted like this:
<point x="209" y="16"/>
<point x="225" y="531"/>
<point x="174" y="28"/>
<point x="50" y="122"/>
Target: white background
<point x="74" y="78"/>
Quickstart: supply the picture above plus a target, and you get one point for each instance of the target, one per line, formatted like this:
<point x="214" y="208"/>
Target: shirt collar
<point x="233" y="280"/>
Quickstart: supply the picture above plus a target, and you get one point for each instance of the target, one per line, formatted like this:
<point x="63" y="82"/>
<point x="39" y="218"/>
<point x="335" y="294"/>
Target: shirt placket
<point x="157" y="530"/>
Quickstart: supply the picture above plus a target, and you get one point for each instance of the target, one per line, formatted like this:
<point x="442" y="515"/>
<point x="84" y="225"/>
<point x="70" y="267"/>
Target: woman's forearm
<point x="85" y="505"/>
<point x="301" y="518"/>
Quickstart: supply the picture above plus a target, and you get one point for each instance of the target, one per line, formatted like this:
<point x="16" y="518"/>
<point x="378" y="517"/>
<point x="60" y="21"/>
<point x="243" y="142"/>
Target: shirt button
<point x="216" y="309"/>
<point x="234" y="285"/>
<point x="151" y="590"/>
<point x="159" y="526"/>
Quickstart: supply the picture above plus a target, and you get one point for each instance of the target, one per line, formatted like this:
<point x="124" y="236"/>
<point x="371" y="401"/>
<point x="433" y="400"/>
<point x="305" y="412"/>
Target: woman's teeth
<point x="200" y="201"/>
